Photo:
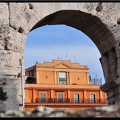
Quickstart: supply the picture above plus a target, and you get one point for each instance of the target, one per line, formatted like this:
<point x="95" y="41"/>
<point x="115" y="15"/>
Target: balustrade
<point x="69" y="100"/>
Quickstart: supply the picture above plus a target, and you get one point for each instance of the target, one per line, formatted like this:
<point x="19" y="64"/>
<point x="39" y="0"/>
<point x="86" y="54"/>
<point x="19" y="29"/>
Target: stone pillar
<point x="112" y="64"/>
<point x="104" y="63"/>
<point x="68" y="95"/>
<point x="118" y="56"/>
<point x="87" y="78"/>
<point x="13" y="89"/>
<point x="84" y="94"/>
<point x="55" y="80"/>
<point x="67" y="78"/>
<point x="100" y="94"/>
<point x="51" y="94"/>
<point x="34" y="96"/>
<point x="100" y="97"/>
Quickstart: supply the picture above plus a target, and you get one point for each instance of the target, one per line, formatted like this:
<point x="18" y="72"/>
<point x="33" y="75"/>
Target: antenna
<point x="96" y="79"/>
<point x="61" y="57"/>
<point x="74" y="58"/>
<point x="66" y="55"/>
<point x="58" y="57"/>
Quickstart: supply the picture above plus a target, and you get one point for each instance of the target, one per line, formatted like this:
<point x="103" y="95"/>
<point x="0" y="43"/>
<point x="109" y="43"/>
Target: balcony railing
<point x="70" y="100"/>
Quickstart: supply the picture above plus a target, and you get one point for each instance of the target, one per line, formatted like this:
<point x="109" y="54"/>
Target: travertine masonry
<point x="99" y="21"/>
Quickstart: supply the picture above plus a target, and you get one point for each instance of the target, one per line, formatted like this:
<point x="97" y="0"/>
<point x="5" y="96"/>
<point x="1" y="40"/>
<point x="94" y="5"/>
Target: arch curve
<point x="91" y="25"/>
<point x="94" y="28"/>
<point x="99" y="21"/>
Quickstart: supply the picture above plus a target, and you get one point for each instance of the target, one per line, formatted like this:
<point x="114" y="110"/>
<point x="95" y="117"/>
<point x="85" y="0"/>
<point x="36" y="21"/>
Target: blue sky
<point x="53" y="42"/>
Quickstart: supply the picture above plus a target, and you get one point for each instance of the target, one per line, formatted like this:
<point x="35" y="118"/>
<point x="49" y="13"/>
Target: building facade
<point x="61" y="84"/>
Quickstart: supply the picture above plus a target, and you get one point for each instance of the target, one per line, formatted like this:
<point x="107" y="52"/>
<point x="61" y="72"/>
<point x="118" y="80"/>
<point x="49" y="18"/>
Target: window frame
<point x="62" y="81"/>
<point x="60" y="99"/>
<point x="43" y="99"/>
<point x="92" y="98"/>
<point x="76" y="100"/>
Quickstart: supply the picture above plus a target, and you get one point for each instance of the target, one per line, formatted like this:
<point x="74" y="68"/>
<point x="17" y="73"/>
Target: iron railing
<point x="69" y="100"/>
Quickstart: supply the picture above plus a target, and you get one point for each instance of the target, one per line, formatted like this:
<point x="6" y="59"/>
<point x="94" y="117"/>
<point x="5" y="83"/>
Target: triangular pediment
<point x="62" y="66"/>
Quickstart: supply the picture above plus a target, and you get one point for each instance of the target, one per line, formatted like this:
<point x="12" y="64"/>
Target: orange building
<point x="61" y="84"/>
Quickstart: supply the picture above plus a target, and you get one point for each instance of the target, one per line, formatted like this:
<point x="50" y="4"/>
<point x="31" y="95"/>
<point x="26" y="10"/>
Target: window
<point x="43" y="98"/>
<point x="76" y="98"/>
<point x="62" y="78"/>
<point x="92" y="98"/>
<point x="60" y="98"/>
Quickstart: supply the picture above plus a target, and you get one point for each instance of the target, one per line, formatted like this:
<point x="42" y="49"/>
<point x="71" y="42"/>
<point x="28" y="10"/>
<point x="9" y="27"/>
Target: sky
<point x="53" y="42"/>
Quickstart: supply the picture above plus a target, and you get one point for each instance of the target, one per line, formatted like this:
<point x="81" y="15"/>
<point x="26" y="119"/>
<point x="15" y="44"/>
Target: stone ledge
<point x="41" y="111"/>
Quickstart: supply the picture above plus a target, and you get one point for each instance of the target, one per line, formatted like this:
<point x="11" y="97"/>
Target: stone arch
<point x="99" y="21"/>
<point x="94" y="28"/>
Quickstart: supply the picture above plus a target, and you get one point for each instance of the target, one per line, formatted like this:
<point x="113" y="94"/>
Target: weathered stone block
<point x="4" y="13"/>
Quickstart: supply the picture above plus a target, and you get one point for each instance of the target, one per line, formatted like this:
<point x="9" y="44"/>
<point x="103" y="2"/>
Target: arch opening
<point x="93" y="27"/>
<point x="52" y="42"/>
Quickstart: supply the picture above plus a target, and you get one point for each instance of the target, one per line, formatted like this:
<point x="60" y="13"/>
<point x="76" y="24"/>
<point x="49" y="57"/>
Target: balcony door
<point x="43" y="98"/>
<point x="60" y="98"/>
<point x="76" y="98"/>
<point x="92" y="98"/>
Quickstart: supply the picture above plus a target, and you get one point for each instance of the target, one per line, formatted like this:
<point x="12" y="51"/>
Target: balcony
<point x="70" y="100"/>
